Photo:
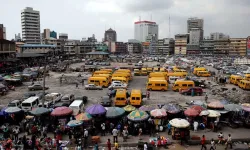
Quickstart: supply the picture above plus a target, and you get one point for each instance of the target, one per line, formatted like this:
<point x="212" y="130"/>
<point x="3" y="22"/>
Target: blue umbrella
<point x="172" y="108"/>
<point x="12" y="110"/>
<point x="2" y="112"/>
<point x="114" y="112"/>
<point x="74" y="123"/>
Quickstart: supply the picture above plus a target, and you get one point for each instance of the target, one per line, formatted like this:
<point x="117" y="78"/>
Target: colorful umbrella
<point x="61" y="111"/>
<point x="191" y="112"/>
<point x="204" y="113"/>
<point x="246" y="107"/>
<point x="216" y="105"/>
<point x="172" y="108"/>
<point x="148" y="107"/>
<point x="83" y="117"/>
<point x="12" y="110"/>
<point x="114" y="112"/>
<point x="233" y="107"/>
<point x="96" y="109"/>
<point x="39" y="111"/>
<point x="129" y="108"/>
<point x="158" y="113"/>
<point x="74" y="123"/>
<point x="179" y="123"/>
<point x="213" y="113"/>
<point x="138" y="115"/>
<point x="197" y="108"/>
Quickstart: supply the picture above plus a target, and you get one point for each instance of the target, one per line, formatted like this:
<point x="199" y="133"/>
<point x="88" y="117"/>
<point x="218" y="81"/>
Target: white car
<point x="118" y="86"/>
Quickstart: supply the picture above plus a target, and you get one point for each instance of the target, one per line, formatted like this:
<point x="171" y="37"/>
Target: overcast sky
<point x="82" y="18"/>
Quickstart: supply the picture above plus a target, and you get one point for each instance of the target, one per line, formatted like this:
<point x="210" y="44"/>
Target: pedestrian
<point x="115" y="134"/>
<point x="15" y="133"/>
<point x="148" y="95"/>
<point x="96" y="146"/>
<point x="206" y="98"/>
<point x="140" y="133"/>
<point x="145" y="146"/>
<point x="212" y="145"/>
<point x="103" y="129"/>
<point x="203" y="143"/>
<point x="182" y="137"/>
<point x="85" y="135"/>
<point x="109" y="144"/>
<point x="229" y="141"/>
<point x="169" y="128"/>
<point x="125" y="134"/>
<point x="196" y="126"/>
<point x="70" y="137"/>
<point x="220" y="138"/>
<point x="116" y="145"/>
<point x="76" y="85"/>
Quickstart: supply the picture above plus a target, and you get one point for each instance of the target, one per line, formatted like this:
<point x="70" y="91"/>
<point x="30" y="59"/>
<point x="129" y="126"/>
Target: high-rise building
<point x="181" y="41"/>
<point x="63" y="36"/>
<point x="110" y="35"/>
<point x="197" y="24"/>
<point x="145" y="29"/>
<point x="195" y="36"/>
<point x="18" y="37"/>
<point x="46" y="33"/>
<point x="2" y="32"/>
<point x="53" y="34"/>
<point x="166" y="46"/>
<point x="218" y="36"/>
<point x="30" y="26"/>
<point x="248" y="46"/>
<point x="238" y="47"/>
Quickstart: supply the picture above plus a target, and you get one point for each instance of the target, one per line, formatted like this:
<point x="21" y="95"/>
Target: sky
<point x="83" y="18"/>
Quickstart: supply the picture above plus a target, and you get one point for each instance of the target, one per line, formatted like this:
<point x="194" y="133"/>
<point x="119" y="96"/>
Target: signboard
<point x="248" y="46"/>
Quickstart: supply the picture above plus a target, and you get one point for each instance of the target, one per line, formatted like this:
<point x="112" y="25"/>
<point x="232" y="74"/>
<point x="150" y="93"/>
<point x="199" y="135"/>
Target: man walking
<point x="115" y="134"/>
<point x="203" y="143"/>
<point x="229" y="141"/>
<point x="103" y="129"/>
<point x="85" y="135"/>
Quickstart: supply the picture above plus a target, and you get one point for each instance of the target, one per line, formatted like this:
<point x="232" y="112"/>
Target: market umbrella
<point x="179" y="123"/>
<point x="197" y="108"/>
<point x="200" y="103"/>
<point x="61" y="111"/>
<point x="39" y="111"/>
<point x="129" y="108"/>
<point x="148" y="107"/>
<point x="158" y="113"/>
<point x="191" y="112"/>
<point x="138" y="115"/>
<point x="213" y="113"/>
<point x="96" y="109"/>
<point x="216" y="105"/>
<point x="233" y="107"/>
<point x="83" y="117"/>
<point x="204" y="113"/>
<point x="74" y="123"/>
<point x="12" y="110"/>
<point x="114" y="112"/>
<point x="172" y="108"/>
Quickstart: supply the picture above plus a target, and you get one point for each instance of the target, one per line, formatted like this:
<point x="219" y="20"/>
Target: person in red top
<point x="203" y="143"/>
<point x="109" y="144"/>
<point x="182" y="134"/>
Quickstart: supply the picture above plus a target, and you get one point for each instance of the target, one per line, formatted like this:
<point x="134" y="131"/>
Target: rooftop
<point x="38" y="45"/>
<point x="97" y="53"/>
<point x="150" y="22"/>
<point x="22" y="55"/>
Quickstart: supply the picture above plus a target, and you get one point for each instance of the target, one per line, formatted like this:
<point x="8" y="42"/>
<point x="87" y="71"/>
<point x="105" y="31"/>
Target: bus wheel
<point x="150" y="89"/>
<point x="162" y="90"/>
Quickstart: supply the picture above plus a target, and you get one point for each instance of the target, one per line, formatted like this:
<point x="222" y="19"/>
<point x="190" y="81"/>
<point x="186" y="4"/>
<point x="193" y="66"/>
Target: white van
<point x="172" y="79"/>
<point x="76" y="106"/>
<point x="30" y="103"/>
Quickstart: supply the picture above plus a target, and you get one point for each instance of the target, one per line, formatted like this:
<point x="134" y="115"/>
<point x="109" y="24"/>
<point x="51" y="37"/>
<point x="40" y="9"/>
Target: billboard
<point x="248" y="46"/>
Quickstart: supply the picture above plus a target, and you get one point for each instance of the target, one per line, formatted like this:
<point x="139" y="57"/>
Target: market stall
<point x="180" y="126"/>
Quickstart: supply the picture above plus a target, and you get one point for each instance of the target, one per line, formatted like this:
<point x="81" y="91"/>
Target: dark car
<point x="60" y="104"/>
<point x="36" y="87"/>
<point x="197" y="91"/>
<point x="83" y="98"/>
<point x="106" y="101"/>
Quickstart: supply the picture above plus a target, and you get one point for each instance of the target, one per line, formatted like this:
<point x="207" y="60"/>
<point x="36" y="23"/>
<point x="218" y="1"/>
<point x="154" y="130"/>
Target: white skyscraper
<point x="144" y="30"/>
<point x="31" y="26"/>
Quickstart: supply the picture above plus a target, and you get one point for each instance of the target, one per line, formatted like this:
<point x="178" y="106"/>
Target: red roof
<point x="138" y="22"/>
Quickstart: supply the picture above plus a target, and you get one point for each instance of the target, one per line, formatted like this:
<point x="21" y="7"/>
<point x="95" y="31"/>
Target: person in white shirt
<point x="115" y="134"/>
<point x="103" y="129"/>
<point x="85" y="135"/>
<point x="196" y="126"/>
<point x="145" y="146"/>
<point x="229" y="141"/>
<point x="212" y="145"/>
<point x="220" y="137"/>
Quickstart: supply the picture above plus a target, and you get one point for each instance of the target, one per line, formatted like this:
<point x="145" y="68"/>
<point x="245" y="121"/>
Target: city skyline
<point x="84" y="18"/>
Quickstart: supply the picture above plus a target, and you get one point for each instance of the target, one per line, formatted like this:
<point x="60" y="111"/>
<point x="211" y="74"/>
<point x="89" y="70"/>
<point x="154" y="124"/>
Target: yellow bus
<point x="121" y="97"/>
<point x="137" y="72"/>
<point x="144" y="72"/>
<point x="199" y="69"/>
<point x="203" y="74"/>
<point x="176" y="74"/>
<point x="244" y="84"/>
<point x="108" y="76"/>
<point x="100" y="81"/>
<point x="149" y="69"/>
<point x="108" y="70"/>
<point x="234" y="79"/>
<point x="247" y="77"/>
<point x="122" y="79"/>
<point x="101" y="72"/>
<point x="156" y="69"/>
<point x="124" y="72"/>
<point x="135" y="97"/>
<point x="156" y="74"/>
<point x="182" y="85"/>
<point x="157" y="85"/>
<point x="124" y="75"/>
<point x="184" y="72"/>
